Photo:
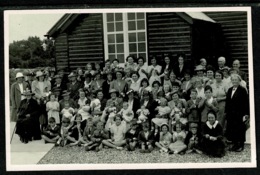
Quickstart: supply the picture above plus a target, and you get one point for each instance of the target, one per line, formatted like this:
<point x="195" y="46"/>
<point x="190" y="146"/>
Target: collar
<point x="212" y="126"/>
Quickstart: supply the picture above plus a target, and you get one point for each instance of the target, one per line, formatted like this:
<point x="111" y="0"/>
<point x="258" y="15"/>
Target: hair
<point x="236" y="76"/>
<point x="181" y="55"/>
<point x="140" y="58"/>
<point x="130" y="56"/>
<point x="175" y="93"/>
<point x="219" y="72"/>
<point x="115" y="60"/>
<point x="125" y="102"/>
<point x="156" y="82"/>
<point x="212" y="112"/>
<point x="179" y="124"/>
<point x="166" y="126"/>
<point x="52" y="94"/>
<point x="144" y="80"/>
<point x="193" y="90"/>
<point x="51" y="119"/>
<point x="145" y="125"/>
<point x="118" y="116"/>
<point x="210" y="68"/>
<point x="78" y="115"/>
<point x="99" y="90"/>
<point x="90" y="65"/>
<point x="135" y="72"/>
<point x="208" y="87"/>
<point x="107" y="61"/>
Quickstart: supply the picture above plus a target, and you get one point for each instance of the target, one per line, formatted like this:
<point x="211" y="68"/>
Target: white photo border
<point x="10" y="167"/>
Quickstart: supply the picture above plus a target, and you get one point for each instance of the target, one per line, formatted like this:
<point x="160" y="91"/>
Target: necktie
<point x="233" y="91"/>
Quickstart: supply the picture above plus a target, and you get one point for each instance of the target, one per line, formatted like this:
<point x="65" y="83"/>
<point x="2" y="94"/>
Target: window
<point x="124" y="34"/>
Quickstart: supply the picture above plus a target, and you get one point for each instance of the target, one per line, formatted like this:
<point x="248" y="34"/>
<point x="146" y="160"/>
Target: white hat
<point x="19" y="74"/>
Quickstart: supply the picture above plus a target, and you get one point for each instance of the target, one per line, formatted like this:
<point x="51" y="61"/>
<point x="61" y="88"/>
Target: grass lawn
<point x="77" y="155"/>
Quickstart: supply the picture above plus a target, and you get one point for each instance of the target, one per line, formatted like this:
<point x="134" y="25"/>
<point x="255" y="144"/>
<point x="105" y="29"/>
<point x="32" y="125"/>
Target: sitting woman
<point x="28" y="126"/>
<point x="165" y="138"/>
<point x="212" y="142"/>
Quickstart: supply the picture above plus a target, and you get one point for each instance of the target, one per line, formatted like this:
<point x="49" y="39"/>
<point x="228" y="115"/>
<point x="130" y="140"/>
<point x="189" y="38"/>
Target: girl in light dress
<point x="178" y="137"/>
<point x="154" y="71"/>
<point x="127" y="115"/>
<point x="143" y="113"/>
<point x="165" y="138"/>
<point x="53" y="108"/>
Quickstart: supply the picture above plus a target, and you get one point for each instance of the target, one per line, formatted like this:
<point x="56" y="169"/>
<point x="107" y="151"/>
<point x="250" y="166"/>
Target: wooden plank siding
<point x="86" y="41"/>
<point x="234" y="27"/>
<point x="167" y="33"/>
<point x="61" y="50"/>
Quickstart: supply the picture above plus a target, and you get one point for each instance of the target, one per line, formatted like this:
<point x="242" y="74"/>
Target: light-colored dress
<point x="165" y="139"/>
<point x="178" y="144"/>
<point x="55" y="114"/>
<point x="154" y="77"/>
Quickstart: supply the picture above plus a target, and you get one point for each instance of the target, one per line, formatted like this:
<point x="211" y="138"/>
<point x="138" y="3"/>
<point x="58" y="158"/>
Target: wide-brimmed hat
<point x="39" y="74"/>
<point x="72" y="74"/>
<point x="28" y="92"/>
<point x="165" y="124"/>
<point x="199" y="68"/>
<point x="57" y="76"/>
<point x="65" y="93"/>
<point x="226" y="68"/>
<point x="113" y="91"/>
<point x="19" y="75"/>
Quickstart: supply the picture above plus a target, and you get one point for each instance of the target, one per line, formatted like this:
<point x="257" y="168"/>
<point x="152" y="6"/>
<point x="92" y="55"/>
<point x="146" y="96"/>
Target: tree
<point x="30" y="54"/>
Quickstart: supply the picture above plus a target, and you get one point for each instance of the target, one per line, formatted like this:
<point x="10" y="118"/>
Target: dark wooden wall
<point x="167" y="33"/>
<point x="234" y="27"/>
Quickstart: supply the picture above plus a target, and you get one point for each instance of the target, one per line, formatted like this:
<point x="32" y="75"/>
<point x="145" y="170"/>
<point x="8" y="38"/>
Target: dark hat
<point x="65" y="93"/>
<point x="56" y="89"/>
<point x="193" y="125"/>
<point x="28" y="92"/>
<point x="72" y="74"/>
<point x="199" y="68"/>
<point x="57" y="76"/>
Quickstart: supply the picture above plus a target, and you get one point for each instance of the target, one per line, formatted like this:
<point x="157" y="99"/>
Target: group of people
<point x="174" y="107"/>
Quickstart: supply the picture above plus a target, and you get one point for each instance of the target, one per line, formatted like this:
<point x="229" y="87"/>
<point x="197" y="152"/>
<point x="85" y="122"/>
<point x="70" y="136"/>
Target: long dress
<point x="213" y="148"/>
<point x="28" y="127"/>
<point x="51" y="113"/>
<point x="165" y="139"/>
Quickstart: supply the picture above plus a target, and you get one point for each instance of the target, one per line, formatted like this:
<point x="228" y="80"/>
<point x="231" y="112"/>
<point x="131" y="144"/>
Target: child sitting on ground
<point x="143" y="113"/>
<point x="162" y="116"/>
<point x="50" y="134"/>
<point x="53" y="108"/>
<point x="146" y="139"/>
<point x="179" y="135"/>
<point x="127" y="115"/>
<point x="77" y="130"/>
<point x="88" y="132"/>
<point x="193" y="139"/>
<point x="64" y="132"/>
<point x="67" y="110"/>
<point x="97" y="137"/>
<point x="165" y="138"/>
<point x="132" y="135"/>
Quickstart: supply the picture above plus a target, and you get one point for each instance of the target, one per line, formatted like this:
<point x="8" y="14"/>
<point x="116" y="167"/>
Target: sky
<point x="21" y="26"/>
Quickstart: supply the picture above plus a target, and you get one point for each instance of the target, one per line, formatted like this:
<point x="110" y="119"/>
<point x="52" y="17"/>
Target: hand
<point x="245" y="118"/>
<point x="28" y="115"/>
<point x="207" y="136"/>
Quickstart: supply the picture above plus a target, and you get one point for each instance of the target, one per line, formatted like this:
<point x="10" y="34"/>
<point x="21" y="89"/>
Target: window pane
<point x="131" y="16"/>
<point x="119" y="26"/>
<point x="110" y="17"/>
<point x="132" y="37"/>
<point x="141" y="36"/>
<point x="111" y="48"/>
<point x="140" y="25"/>
<point x="132" y="47"/>
<point x="120" y="48"/>
<point x="131" y="25"/>
<point x="118" y="16"/>
<point x="110" y="27"/>
<point x="120" y="57"/>
<point x="133" y="55"/>
<point x="140" y="15"/>
<point x="141" y="47"/>
<point x="111" y="38"/>
<point x="119" y="38"/>
<point x="111" y="57"/>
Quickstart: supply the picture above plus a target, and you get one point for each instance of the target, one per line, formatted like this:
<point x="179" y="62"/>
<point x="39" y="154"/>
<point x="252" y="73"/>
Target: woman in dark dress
<point x="28" y="125"/>
<point x="237" y="112"/>
<point x="213" y="143"/>
<point x="106" y="84"/>
<point x="180" y="67"/>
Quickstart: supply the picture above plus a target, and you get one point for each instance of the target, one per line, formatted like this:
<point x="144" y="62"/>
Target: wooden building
<point x="83" y="38"/>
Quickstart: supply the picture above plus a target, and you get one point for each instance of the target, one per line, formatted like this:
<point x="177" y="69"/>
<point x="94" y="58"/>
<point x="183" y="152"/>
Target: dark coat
<point x="55" y="131"/>
<point x="151" y="105"/>
<point x="129" y="136"/>
<point x="142" y="139"/>
<point x="236" y="108"/>
<point x="192" y="114"/>
<point x="28" y="127"/>
<point x="75" y="130"/>
<point x="105" y="89"/>
<point x="180" y="74"/>
<point x="74" y="89"/>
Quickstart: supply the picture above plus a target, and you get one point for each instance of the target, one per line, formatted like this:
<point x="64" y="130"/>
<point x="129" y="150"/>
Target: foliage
<point x="30" y="53"/>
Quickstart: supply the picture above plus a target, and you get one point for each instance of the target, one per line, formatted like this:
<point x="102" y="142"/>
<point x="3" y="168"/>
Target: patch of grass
<point x="77" y="155"/>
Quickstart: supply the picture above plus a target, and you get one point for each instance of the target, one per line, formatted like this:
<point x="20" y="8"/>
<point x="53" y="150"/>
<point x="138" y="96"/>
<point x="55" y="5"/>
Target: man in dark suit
<point x="236" y="65"/>
<point x="237" y="112"/>
<point x="73" y="86"/>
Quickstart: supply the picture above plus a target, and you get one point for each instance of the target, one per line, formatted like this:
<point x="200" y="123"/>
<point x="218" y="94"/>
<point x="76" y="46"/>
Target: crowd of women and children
<point x="175" y="107"/>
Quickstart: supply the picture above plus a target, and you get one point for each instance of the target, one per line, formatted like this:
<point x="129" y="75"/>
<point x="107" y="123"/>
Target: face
<point x="78" y="119"/>
<point x="100" y="95"/>
<point x="175" y="97"/>
<point x="211" y="118"/>
<point x="98" y="76"/>
<point x="166" y="88"/>
<point x="82" y="95"/>
<point x="130" y="60"/>
<point x="67" y="106"/>
<point x="153" y="61"/>
<point x="52" y="97"/>
<point x="172" y="77"/>
<point x="175" y="88"/>
<point x="145" y="128"/>
<point x="178" y="128"/>
<point x="146" y="97"/>
<point x="89" y="67"/>
<point x="58" y="80"/>
<point x="204" y="63"/>
<point x="99" y="125"/>
<point x="187" y="77"/>
<point x="73" y="78"/>
<point x="113" y="95"/>
<point x="156" y="86"/>
<point x="28" y="97"/>
<point x="115" y="63"/>
<point x="131" y="95"/>
<point x="118" y="75"/>
<point x="52" y="123"/>
<point x="134" y="126"/>
<point x="163" y="103"/>
<point x="210" y="74"/>
<point x="221" y="63"/>
<point x="198" y="83"/>
<point x="80" y="72"/>
<point x="118" y="121"/>
<point x="97" y="66"/>
<point x="19" y="80"/>
<point x="200" y="73"/>
<point x="180" y="60"/>
<point x="108" y="64"/>
<point x="66" y="97"/>
<point x="140" y="62"/>
<point x="90" y="123"/>
<point x="225" y="73"/>
<point x="218" y="77"/>
<point x="236" y="65"/>
<point x="109" y="77"/>
<point x="164" y="129"/>
<point x="167" y="60"/>
<point x="125" y="105"/>
<point x="235" y="81"/>
<point x="193" y="130"/>
<point x="208" y="94"/>
<point x="134" y="77"/>
<point x="41" y="78"/>
<point x="144" y="84"/>
<point x="193" y="95"/>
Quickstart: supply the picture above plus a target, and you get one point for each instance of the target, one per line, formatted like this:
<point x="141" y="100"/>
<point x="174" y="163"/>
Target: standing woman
<point x="167" y="66"/>
<point x="17" y="89"/>
<point x="180" y="67"/>
<point x="136" y="81"/>
<point x="154" y="71"/>
<point x="219" y="93"/>
<point x="97" y="83"/>
<point x="237" y="111"/>
<point x="133" y="103"/>
<point x="130" y="63"/>
<point x="106" y="84"/>
<point x="142" y="69"/>
<point x="118" y="84"/>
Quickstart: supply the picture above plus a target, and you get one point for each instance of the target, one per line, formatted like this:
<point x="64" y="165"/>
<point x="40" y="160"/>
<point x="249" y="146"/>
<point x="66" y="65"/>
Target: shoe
<point x="239" y="149"/>
<point x="57" y="144"/>
<point x="21" y="139"/>
<point x="25" y="141"/>
<point x="170" y="152"/>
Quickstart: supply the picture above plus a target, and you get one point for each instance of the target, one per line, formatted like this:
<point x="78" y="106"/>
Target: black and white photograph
<point x="137" y="88"/>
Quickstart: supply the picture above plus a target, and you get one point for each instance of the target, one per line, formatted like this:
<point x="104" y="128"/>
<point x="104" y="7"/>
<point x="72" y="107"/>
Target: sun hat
<point x="199" y="68"/>
<point x="19" y="75"/>
<point x="72" y="74"/>
<point x="113" y="91"/>
<point x="39" y="74"/>
<point x="57" y="76"/>
<point x="193" y="125"/>
<point x="65" y="93"/>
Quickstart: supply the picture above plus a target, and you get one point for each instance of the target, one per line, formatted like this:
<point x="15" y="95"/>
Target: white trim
<point x="105" y="36"/>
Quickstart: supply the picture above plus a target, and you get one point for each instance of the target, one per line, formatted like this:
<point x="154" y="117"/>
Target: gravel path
<point x="77" y="155"/>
